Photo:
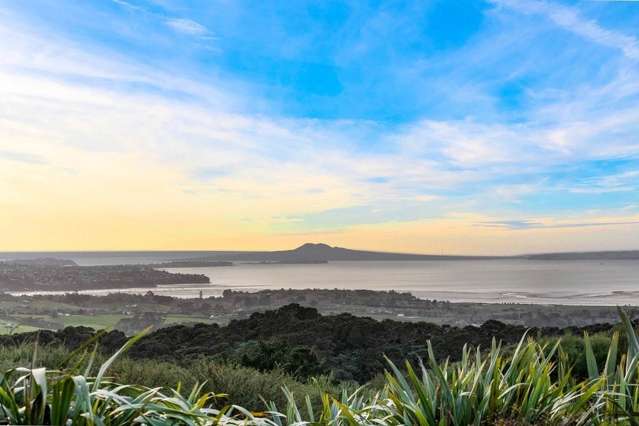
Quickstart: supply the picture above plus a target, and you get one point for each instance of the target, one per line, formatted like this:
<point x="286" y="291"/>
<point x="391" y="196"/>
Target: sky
<point x="474" y="127"/>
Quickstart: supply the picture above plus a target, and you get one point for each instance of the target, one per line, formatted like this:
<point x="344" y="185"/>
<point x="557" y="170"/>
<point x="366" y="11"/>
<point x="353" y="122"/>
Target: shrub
<point x="531" y="384"/>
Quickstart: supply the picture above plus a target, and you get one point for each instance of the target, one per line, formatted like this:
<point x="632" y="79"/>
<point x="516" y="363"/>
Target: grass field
<point x="21" y="328"/>
<point x="184" y="319"/>
<point x="101" y="321"/>
<point x="19" y="323"/>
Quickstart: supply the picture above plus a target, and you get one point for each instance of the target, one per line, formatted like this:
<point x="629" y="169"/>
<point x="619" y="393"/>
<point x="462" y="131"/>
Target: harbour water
<point x="493" y="281"/>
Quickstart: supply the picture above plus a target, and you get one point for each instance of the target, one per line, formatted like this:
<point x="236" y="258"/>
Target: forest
<point x="423" y="374"/>
<point x="303" y="343"/>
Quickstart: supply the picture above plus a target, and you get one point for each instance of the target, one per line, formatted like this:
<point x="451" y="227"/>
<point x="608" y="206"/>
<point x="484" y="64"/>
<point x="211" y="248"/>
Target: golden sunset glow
<point x="100" y="150"/>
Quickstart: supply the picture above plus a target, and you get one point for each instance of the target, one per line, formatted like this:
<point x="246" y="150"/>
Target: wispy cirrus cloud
<point x="191" y="143"/>
<point x="179" y="25"/>
<point x="128" y="5"/>
<point x="531" y="224"/>
<point x="187" y="26"/>
<point x="274" y="158"/>
<point x="21" y="157"/>
<point x="626" y="181"/>
<point x="571" y="20"/>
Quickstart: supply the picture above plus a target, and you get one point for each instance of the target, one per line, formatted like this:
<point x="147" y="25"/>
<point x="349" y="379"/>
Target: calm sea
<point x="495" y="281"/>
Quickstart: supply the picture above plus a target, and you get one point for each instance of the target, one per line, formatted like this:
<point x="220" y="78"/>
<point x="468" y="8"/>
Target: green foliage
<point x="530" y="384"/>
<point x="299" y="361"/>
<point x="242" y="386"/>
<point x="35" y="396"/>
<point x="575" y="350"/>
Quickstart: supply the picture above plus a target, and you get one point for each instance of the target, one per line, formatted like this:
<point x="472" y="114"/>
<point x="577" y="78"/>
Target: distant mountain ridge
<point x="325" y="252"/>
<point x="587" y="255"/>
<point x="306" y="253"/>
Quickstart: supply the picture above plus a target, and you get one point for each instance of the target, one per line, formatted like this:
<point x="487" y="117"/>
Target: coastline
<point x="560" y="298"/>
<point x="380" y="305"/>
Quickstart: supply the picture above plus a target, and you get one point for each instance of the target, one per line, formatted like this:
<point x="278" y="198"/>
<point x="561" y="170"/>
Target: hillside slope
<point x="303" y="342"/>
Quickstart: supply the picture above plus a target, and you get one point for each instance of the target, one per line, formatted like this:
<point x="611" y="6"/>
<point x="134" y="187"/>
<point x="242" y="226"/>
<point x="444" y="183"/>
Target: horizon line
<point x="289" y="249"/>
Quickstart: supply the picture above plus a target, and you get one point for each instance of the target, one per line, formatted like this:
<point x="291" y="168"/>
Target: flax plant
<point x="530" y="384"/>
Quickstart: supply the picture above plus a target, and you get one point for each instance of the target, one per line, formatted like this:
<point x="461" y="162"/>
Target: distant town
<point x="131" y="313"/>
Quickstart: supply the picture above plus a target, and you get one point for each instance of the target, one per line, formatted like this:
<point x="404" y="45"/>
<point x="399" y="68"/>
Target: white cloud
<point x="128" y="5"/>
<point x="531" y="224"/>
<point x="571" y="20"/>
<point x="57" y="107"/>
<point x="620" y="182"/>
<point x="187" y="26"/>
<point x="513" y="192"/>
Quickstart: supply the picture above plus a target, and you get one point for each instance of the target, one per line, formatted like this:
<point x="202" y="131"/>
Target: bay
<point x="570" y="282"/>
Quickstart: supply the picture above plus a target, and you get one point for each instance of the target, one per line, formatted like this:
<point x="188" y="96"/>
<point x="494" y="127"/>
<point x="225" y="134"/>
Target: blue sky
<point x="330" y="119"/>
